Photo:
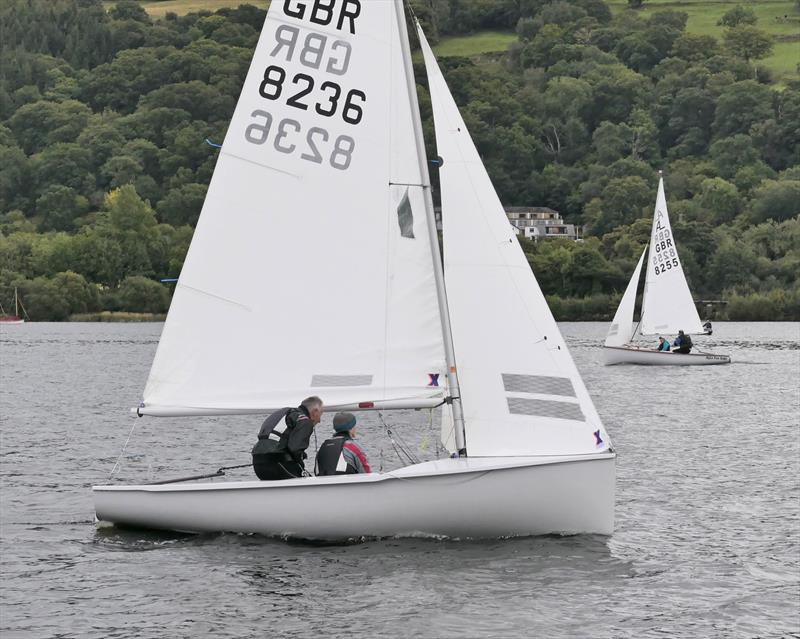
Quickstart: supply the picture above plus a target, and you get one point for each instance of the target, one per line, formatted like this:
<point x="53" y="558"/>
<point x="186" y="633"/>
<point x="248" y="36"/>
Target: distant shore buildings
<point x="534" y="223"/>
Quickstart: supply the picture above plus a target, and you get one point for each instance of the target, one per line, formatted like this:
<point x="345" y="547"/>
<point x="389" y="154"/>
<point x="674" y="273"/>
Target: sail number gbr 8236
<point x="329" y="98"/>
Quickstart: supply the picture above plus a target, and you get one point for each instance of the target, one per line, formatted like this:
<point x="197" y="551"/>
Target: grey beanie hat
<point x="343" y="422"/>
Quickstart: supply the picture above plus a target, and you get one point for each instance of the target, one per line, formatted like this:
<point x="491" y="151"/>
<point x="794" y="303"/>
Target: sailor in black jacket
<point x="283" y="439"/>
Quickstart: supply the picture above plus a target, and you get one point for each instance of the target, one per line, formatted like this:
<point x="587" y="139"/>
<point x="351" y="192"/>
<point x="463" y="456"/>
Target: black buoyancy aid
<point x="330" y="458"/>
<point x="273" y="437"/>
<point x="686" y="341"/>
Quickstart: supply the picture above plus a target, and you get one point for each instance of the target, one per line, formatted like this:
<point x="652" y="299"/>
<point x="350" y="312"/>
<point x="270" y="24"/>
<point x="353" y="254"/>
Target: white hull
<point x="464" y="498"/>
<point x="4" y="322"/>
<point x="633" y="355"/>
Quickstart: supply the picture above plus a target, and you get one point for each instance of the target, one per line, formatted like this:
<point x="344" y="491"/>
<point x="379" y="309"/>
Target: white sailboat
<point x="317" y="243"/>
<point x="667" y="304"/>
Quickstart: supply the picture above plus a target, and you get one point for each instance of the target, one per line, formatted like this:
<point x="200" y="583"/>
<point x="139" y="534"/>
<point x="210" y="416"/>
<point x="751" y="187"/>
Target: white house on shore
<point x="540" y="222"/>
<point x="533" y="223"/>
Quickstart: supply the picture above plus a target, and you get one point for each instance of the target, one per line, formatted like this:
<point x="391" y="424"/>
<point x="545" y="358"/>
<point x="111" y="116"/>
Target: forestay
<point x="667" y="306"/>
<point x="310" y="268"/>
<point x="622" y="329"/>
<point x="520" y="390"/>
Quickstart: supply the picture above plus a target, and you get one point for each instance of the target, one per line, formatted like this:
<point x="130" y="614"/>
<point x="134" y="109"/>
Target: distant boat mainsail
<point x="622" y="329"/>
<point x="667" y="305"/>
<point x="521" y="392"/>
<point x="310" y="271"/>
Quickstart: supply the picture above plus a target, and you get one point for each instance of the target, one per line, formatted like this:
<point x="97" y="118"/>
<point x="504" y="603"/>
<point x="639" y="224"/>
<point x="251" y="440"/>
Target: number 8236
<point x="288" y="132"/>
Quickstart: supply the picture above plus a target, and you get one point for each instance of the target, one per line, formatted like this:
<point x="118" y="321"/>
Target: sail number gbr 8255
<point x="665" y="258"/>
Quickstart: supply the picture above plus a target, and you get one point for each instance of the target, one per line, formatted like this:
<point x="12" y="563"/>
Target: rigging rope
<point x="122" y="452"/>
<point x="400" y="447"/>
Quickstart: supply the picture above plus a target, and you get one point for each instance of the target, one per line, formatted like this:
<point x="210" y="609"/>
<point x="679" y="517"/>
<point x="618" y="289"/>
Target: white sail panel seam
<point x="261" y="164"/>
<point x="215" y="296"/>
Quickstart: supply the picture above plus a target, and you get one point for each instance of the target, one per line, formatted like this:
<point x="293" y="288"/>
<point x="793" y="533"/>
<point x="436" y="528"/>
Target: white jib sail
<point x="520" y="390"/>
<point x="310" y="268"/>
<point x="622" y="329"/>
<point x="667" y="305"/>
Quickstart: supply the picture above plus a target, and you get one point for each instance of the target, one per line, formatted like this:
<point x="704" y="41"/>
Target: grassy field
<point x="779" y="18"/>
<point x="476" y="44"/>
<point x="158" y="8"/>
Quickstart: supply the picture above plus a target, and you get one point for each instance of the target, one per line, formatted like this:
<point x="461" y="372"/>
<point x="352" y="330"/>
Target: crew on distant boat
<point x="283" y="439"/>
<point x="683" y="344"/>
<point x="340" y="455"/>
<point x="663" y="344"/>
<point x="707" y="327"/>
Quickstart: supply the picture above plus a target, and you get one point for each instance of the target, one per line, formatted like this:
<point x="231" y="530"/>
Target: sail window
<point x="341" y="380"/>
<point x="538" y="384"/>
<point x="545" y="408"/>
<point x="405" y="217"/>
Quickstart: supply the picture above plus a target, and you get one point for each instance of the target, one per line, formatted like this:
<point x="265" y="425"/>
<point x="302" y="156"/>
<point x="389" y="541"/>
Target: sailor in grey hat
<point x="340" y="455"/>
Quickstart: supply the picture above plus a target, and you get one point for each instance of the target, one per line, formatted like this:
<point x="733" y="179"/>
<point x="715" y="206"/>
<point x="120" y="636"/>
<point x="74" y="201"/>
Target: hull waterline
<point x="631" y="355"/>
<point x="463" y="498"/>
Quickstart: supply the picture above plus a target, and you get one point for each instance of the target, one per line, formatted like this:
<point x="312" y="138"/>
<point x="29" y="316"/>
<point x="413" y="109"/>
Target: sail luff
<point x="438" y="271"/>
<point x="621" y="332"/>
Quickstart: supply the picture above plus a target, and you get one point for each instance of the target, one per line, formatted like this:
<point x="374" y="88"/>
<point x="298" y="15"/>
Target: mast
<point x="16" y="302"/>
<point x="438" y="272"/>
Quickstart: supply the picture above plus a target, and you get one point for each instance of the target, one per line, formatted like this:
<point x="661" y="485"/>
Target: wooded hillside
<point x="103" y="117"/>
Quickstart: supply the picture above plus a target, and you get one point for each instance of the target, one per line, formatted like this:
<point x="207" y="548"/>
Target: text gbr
<point x="323" y="12"/>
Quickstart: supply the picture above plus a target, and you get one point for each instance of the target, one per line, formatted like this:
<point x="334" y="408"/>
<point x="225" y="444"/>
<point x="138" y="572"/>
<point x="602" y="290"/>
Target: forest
<point x="105" y="110"/>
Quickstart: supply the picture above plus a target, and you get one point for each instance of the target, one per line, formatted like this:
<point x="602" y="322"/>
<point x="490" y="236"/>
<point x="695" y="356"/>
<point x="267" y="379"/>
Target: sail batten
<point x="504" y="334"/>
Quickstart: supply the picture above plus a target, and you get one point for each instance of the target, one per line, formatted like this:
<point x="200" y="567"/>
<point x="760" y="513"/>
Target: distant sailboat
<point x="323" y="199"/>
<point x="15" y="318"/>
<point x="667" y="305"/>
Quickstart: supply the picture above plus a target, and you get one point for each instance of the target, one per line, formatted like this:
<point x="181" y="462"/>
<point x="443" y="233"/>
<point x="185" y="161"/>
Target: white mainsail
<point x="520" y="390"/>
<point x="310" y="268"/>
<point x="667" y="304"/>
<point x="622" y="329"/>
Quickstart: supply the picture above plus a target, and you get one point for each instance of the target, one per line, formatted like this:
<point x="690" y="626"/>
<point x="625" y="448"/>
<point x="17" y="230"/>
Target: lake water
<point x="707" y="539"/>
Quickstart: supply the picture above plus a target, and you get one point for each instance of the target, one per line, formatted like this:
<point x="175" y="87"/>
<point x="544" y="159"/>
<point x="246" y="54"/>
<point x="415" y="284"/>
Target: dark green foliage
<point x="141" y="295"/>
<point x="737" y="16"/>
<point x="104" y="171"/>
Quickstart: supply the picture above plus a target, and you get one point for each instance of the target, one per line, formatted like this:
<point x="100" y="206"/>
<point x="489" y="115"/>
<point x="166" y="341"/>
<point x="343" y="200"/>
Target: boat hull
<point x="630" y="355"/>
<point x="5" y="321"/>
<point x="461" y="498"/>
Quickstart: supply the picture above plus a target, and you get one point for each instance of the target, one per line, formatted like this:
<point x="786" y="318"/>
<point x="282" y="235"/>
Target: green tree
<point x="695" y="47"/>
<point x="775" y="200"/>
<point x="141" y="295"/>
<point x="738" y="16"/>
<point x="740" y="106"/>
<point x="731" y="154"/>
<point x="43" y="123"/>
<point x="622" y="201"/>
<point x="65" y="165"/>
<point x="748" y="42"/>
<point x="721" y="199"/>
<point x="59" y="206"/>
<point x="182" y="205"/>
